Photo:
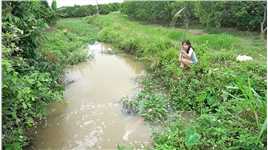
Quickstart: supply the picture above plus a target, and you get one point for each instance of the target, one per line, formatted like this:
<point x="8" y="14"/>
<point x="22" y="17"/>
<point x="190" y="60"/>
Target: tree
<point x="54" y="5"/>
<point x="97" y="6"/>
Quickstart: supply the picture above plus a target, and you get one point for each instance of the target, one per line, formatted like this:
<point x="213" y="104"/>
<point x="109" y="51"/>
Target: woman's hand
<point x="183" y="52"/>
<point x="185" y="55"/>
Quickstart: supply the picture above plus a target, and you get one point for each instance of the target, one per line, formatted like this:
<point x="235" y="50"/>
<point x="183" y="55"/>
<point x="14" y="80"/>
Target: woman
<point x="187" y="55"/>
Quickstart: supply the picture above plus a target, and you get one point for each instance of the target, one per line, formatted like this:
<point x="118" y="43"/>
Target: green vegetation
<point x="87" y="10"/>
<point x="229" y="97"/>
<point x="235" y="14"/>
<point x="33" y="62"/>
<point x="67" y="40"/>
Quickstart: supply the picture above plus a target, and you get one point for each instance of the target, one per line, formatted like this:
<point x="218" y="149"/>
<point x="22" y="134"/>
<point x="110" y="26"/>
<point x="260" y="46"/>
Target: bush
<point x="87" y="10"/>
<point x="27" y="86"/>
<point x="239" y="15"/>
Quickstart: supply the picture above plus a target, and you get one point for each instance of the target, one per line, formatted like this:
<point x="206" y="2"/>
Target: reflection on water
<point x="90" y="116"/>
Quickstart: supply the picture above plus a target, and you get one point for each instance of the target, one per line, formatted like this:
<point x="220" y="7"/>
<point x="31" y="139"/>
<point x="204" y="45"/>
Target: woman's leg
<point x="181" y="64"/>
<point x="186" y="62"/>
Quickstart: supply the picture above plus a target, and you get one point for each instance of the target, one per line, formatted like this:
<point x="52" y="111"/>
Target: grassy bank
<point x="66" y="41"/>
<point x="229" y="97"/>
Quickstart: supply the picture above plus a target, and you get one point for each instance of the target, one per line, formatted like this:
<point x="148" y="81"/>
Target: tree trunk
<point x="97" y="6"/>
<point x="174" y="19"/>
<point x="263" y="25"/>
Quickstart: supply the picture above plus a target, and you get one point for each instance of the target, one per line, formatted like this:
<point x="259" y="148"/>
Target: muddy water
<point x="90" y="116"/>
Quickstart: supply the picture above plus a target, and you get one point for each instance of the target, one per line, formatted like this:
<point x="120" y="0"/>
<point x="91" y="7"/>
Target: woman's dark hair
<point x="188" y="43"/>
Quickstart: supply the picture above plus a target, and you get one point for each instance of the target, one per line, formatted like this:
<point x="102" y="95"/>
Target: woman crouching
<point x="187" y="55"/>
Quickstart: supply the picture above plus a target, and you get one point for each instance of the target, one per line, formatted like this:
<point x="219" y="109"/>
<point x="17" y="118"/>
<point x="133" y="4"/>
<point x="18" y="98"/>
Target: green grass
<point x="157" y="36"/>
<point x="68" y="39"/>
<point x="229" y="97"/>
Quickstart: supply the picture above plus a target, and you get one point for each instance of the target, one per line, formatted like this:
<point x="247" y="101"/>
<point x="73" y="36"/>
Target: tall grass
<point x="228" y="96"/>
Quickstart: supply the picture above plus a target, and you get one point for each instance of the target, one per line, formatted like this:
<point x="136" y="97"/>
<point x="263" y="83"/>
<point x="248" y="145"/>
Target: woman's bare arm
<point x="180" y="55"/>
<point x="188" y="56"/>
<point x="185" y="55"/>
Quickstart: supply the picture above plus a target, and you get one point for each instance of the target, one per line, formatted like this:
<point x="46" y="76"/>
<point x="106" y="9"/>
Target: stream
<point x="90" y="116"/>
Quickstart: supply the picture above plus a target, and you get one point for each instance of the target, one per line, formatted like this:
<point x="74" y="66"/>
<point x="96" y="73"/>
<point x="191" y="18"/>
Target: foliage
<point x="32" y="64"/>
<point x="67" y="41"/>
<point x="150" y="106"/>
<point x="228" y="96"/>
<point x="87" y="10"/>
<point x="148" y="11"/>
<point x="241" y="15"/>
<point x="54" y="5"/>
<point x="26" y="86"/>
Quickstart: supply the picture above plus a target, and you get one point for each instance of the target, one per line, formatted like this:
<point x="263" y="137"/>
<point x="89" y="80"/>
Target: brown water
<point x="90" y="117"/>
